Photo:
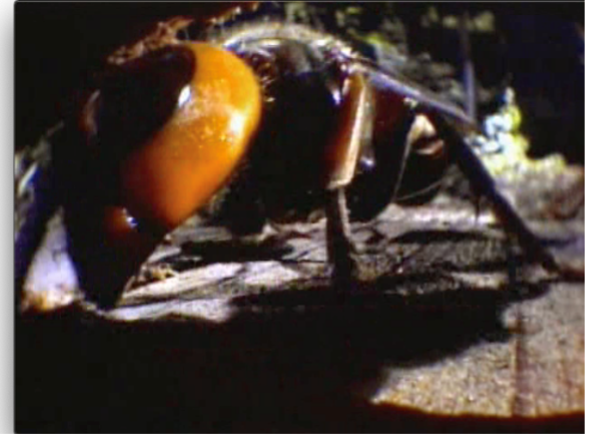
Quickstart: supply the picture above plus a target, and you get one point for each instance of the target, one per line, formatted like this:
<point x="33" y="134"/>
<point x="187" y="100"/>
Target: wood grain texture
<point x="247" y="336"/>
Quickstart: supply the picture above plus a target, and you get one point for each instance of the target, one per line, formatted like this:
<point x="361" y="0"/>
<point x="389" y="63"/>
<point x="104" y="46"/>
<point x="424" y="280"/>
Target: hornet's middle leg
<point x="342" y="154"/>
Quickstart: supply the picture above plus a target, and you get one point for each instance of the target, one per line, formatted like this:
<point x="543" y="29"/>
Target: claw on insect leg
<point x="341" y="250"/>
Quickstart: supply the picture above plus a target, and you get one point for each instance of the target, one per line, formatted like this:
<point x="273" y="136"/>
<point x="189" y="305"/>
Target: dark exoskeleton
<point x="344" y="136"/>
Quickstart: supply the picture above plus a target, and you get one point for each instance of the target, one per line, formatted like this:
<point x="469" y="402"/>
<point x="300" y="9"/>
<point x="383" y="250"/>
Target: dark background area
<point x="272" y="371"/>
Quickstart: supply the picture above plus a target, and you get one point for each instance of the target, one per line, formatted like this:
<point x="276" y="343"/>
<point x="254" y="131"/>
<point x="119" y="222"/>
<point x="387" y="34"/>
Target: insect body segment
<point x="156" y="140"/>
<point x="184" y="164"/>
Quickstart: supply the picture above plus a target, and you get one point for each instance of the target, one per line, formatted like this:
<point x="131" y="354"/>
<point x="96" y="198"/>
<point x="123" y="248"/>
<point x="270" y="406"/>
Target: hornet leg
<point x="483" y="184"/>
<point x="341" y="160"/>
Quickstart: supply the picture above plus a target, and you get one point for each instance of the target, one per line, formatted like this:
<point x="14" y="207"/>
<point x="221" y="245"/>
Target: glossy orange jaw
<point x="185" y="163"/>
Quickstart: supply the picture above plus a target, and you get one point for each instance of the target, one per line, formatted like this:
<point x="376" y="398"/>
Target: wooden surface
<point x="245" y="337"/>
